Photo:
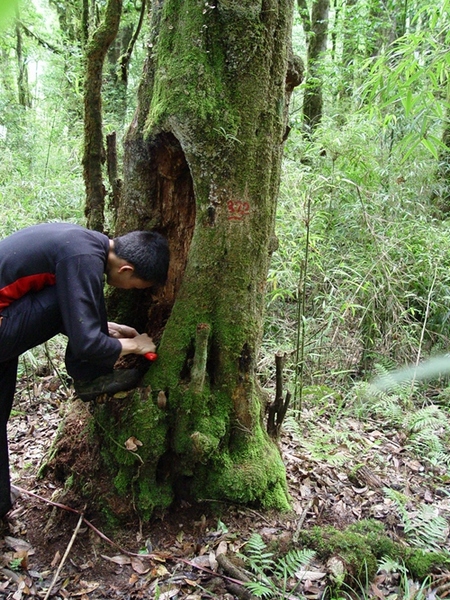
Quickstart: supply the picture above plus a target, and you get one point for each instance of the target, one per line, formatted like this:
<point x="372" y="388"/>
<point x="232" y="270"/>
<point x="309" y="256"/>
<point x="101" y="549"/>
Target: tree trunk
<point x="202" y="165"/>
<point x="317" y="32"/>
<point x="22" y="77"/>
<point x="94" y="153"/>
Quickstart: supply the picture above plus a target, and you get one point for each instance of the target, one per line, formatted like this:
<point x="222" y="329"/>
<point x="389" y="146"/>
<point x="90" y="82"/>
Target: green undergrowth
<point x="353" y="557"/>
<point x="361" y="546"/>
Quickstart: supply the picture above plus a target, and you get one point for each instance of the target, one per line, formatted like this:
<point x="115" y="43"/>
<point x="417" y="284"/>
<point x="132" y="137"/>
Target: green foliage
<point x="377" y="286"/>
<point x="273" y="573"/>
<point x="6" y="11"/>
<point x="424" y="527"/>
<point x="40" y="171"/>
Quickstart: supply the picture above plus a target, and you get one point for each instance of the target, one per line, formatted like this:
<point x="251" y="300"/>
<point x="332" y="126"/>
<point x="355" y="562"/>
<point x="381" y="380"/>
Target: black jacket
<point x="73" y="259"/>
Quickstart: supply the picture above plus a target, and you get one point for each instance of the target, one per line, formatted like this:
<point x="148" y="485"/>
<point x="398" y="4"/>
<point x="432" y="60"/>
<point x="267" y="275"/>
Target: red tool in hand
<point x="151" y="356"/>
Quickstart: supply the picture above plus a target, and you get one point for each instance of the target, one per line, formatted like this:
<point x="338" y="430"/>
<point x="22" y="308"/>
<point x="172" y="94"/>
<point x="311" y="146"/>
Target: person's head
<point x="139" y="259"/>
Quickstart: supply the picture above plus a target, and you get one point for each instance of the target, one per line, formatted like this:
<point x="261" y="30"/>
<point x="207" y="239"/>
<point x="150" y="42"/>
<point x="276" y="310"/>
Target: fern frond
<point x="440" y="459"/>
<point x="386" y="380"/>
<point x="426" y="528"/>
<point x="429" y="417"/>
<point x="391" y="565"/>
<point x="259" y="590"/>
<point x="293" y="562"/>
<point x="425" y="443"/>
<point x="257" y="558"/>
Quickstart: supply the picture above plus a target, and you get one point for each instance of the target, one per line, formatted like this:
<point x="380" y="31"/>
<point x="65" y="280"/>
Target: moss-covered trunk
<point x="94" y="152"/>
<point x="202" y="165"/>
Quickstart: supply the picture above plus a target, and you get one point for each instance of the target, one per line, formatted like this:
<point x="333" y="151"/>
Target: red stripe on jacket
<point x="20" y="287"/>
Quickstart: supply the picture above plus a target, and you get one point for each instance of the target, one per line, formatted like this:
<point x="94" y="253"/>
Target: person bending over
<point x="51" y="281"/>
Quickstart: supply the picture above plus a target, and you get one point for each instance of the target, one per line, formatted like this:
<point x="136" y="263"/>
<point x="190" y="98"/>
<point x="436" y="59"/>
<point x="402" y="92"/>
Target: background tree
<point x="94" y="151"/>
<point x="315" y="25"/>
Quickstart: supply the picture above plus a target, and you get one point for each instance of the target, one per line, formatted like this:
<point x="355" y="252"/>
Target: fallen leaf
<point x="201" y="561"/>
<point x="22" y="556"/>
<point x="120" y="559"/>
<point x="213" y="564"/>
<point x="18" y="544"/>
<point x="222" y="548"/>
<point x="132" y="443"/>
<point x="159" y="571"/>
<point x="139" y="566"/>
<point x="310" y="575"/>
<point x="88" y="588"/>
<point x="375" y="590"/>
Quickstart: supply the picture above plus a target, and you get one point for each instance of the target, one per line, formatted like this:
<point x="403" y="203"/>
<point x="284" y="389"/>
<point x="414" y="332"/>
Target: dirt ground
<point x="52" y="546"/>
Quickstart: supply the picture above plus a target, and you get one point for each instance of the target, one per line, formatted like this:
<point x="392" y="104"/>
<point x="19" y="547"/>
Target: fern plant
<point x="273" y="575"/>
<point x="409" y="590"/>
<point x="423" y="527"/>
<point x="428" y="435"/>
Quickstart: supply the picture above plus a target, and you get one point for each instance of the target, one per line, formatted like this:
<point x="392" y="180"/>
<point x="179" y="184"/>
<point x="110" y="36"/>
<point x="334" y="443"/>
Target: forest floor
<point x="48" y="550"/>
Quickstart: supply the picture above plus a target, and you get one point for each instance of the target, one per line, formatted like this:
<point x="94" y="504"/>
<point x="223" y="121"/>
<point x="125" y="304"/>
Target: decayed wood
<point x="234" y="571"/>
<point x="278" y="408"/>
<point x="364" y="476"/>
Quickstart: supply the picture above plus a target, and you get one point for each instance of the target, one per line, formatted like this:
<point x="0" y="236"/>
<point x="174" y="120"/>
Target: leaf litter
<point x="183" y="553"/>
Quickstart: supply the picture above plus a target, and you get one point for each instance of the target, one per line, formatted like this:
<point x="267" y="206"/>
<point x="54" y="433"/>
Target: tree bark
<point x="317" y="31"/>
<point x="22" y="78"/>
<point x="94" y="152"/>
<point x="202" y="165"/>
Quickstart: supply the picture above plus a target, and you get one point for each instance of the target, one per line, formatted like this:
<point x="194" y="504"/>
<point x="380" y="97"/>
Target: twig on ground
<point x="229" y="567"/>
<point x="86" y="522"/>
<point x="301" y="521"/>
<point x="66" y="554"/>
<point x="234" y="587"/>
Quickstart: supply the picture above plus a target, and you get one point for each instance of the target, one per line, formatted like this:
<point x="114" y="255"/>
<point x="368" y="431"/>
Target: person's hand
<point x="144" y="344"/>
<point x="139" y="344"/>
<point x="121" y="331"/>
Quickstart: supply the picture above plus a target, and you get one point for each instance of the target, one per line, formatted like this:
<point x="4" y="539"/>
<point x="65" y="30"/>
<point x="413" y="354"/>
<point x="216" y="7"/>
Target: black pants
<point x="26" y="323"/>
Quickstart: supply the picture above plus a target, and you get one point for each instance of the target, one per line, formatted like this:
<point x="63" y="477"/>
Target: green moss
<point x="151" y="497"/>
<point x="256" y="476"/>
<point x="122" y="482"/>
<point x="189" y="74"/>
<point x="362" y="544"/>
<point x="420" y="564"/>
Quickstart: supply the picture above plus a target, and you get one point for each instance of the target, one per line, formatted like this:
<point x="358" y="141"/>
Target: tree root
<point x="231" y="569"/>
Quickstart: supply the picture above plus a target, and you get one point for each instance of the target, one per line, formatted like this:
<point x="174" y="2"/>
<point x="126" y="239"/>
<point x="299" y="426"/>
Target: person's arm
<point x="79" y="286"/>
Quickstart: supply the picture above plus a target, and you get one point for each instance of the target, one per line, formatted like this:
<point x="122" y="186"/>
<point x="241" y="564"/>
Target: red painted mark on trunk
<point x="237" y="210"/>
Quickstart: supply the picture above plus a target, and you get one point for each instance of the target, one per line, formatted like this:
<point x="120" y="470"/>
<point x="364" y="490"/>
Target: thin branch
<point x="66" y="554"/>
<point x="124" y="60"/>
<point x="39" y="40"/>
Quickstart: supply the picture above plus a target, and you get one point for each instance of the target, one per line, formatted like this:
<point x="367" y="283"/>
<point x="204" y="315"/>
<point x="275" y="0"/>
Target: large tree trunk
<point x="202" y="165"/>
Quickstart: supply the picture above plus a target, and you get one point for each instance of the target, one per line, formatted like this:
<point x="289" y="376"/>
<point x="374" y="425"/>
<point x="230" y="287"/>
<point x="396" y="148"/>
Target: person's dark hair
<point x="147" y="251"/>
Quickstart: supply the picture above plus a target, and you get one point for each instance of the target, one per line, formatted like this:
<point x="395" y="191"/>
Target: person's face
<point x="125" y="279"/>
